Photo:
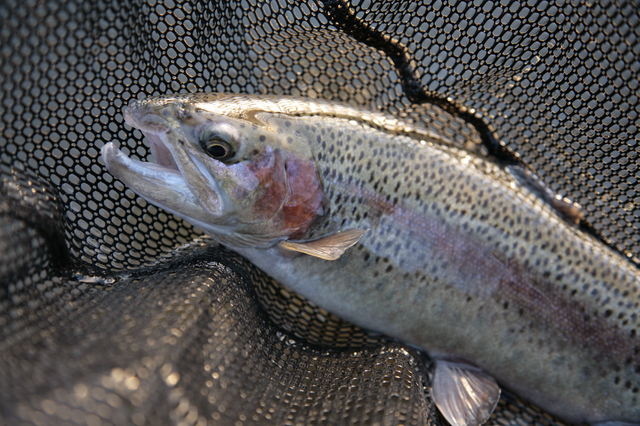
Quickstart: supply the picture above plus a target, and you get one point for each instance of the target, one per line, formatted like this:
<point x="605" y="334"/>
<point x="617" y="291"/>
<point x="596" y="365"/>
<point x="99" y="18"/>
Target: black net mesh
<point x="115" y="312"/>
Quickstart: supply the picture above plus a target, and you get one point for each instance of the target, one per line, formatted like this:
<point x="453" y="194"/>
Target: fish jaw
<point x="160" y="185"/>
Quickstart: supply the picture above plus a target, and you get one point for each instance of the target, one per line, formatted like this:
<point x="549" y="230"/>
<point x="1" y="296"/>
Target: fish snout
<point x="129" y="112"/>
<point x="151" y="115"/>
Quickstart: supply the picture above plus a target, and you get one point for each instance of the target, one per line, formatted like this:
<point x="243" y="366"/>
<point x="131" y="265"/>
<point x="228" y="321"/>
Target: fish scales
<point x="460" y="258"/>
<point x="459" y="241"/>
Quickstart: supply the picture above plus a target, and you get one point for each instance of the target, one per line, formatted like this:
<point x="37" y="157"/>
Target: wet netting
<point x="115" y="312"/>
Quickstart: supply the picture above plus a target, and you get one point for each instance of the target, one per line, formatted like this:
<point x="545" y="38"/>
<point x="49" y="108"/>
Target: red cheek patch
<point x="268" y="169"/>
<point x="290" y="194"/>
<point x="305" y="197"/>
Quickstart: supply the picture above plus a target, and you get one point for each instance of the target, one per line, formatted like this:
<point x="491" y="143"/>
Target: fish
<point x="398" y="230"/>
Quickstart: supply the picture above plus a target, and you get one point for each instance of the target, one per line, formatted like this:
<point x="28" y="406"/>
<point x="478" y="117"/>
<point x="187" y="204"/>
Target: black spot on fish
<point x="263" y="138"/>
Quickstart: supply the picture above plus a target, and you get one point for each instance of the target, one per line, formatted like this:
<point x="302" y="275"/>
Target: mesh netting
<point x="114" y="312"/>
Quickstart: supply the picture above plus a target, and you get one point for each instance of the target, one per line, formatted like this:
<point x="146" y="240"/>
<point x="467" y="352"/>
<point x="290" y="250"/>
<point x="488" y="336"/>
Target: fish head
<point x="242" y="179"/>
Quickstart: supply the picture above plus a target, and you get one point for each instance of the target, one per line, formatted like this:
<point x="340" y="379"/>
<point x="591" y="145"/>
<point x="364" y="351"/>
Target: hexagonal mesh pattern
<point x="111" y="313"/>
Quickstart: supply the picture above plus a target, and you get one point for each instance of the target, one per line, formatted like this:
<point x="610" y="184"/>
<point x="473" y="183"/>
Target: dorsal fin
<point x="567" y="208"/>
<point x="328" y="248"/>
<point x="464" y="394"/>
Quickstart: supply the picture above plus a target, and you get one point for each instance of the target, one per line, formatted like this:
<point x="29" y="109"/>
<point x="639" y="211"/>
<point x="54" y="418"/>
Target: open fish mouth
<point x="162" y="182"/>
<point x="161" y="153"/>
<point x="154" y="128"/>
<point x="163" y="160"/>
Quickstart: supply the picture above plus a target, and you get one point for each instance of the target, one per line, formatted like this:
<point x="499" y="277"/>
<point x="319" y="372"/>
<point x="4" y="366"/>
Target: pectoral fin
<point x="328" y="248"/>
<point x="465" y="395"/>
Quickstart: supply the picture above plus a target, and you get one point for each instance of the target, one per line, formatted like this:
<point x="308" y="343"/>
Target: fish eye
<point x="217" y="147"/>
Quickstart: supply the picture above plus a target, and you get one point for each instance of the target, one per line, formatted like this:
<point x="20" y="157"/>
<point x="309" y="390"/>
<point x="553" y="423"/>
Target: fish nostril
<point x="183" y="115"/>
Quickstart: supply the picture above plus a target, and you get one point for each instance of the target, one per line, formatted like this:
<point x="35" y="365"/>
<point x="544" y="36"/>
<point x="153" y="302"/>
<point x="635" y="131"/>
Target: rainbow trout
<point x="392" y="228"/>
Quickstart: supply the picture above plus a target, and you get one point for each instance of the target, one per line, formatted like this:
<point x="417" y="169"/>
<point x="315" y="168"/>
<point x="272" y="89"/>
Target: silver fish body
<point x="461" y="256"/>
